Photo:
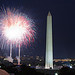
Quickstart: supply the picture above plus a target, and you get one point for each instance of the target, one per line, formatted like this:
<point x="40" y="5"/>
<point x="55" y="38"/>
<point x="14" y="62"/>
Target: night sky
<point x="63" y="17"/>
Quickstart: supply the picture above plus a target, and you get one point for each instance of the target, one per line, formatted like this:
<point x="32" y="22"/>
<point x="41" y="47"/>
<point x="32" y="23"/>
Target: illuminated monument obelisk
<point x="49" y="44"/>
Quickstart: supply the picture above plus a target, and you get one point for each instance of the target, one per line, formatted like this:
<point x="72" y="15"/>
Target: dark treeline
<point x="26" y="70"/>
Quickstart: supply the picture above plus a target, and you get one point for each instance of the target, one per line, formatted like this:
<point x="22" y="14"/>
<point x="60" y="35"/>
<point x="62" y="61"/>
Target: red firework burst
<point x="16" y="28"/>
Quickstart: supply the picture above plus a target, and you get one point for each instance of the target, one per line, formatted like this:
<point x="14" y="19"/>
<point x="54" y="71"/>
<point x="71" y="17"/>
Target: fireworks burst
<point x="15" y="28"/>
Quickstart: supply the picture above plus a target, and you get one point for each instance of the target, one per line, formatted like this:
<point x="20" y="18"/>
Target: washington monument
<point x="49" y="44"/>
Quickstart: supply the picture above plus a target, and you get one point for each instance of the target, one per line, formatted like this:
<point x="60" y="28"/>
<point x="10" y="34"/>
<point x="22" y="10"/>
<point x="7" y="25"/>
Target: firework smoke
<point x="9" y="59"/>
<point x="18" y="59"/>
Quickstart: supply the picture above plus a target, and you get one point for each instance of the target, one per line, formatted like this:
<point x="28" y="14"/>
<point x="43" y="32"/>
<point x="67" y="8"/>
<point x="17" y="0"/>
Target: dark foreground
<point x="26" y="70"/>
